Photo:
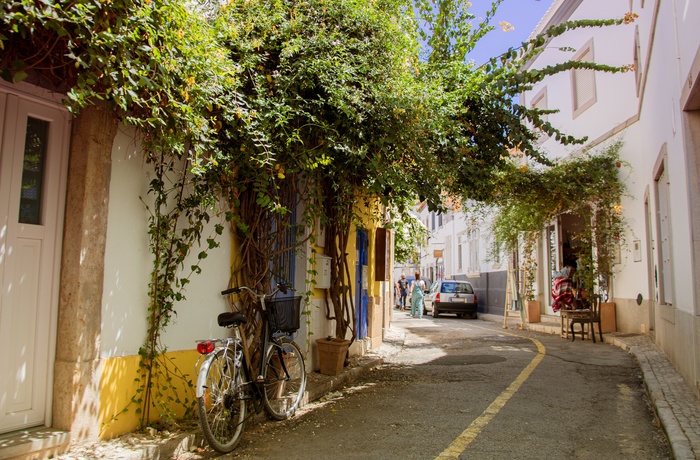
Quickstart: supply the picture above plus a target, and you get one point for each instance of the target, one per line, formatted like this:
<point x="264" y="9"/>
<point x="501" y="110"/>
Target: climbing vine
<point x="588" y="185"/>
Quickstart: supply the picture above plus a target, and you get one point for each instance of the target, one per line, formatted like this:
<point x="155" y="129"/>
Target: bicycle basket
<point x="284" y="314"/>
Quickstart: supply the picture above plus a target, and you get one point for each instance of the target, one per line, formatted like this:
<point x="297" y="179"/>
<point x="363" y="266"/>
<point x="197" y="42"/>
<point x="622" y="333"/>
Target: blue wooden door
<point x="362" y="294"/>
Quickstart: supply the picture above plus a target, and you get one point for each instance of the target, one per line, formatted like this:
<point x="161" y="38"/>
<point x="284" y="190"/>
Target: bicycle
<point x="225" y="383"/>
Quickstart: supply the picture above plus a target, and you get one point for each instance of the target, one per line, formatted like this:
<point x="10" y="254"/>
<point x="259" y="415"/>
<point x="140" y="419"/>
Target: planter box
<point x="608" y="323"/>
<point x="331" y="355"/>
<point x="533" y="311"/>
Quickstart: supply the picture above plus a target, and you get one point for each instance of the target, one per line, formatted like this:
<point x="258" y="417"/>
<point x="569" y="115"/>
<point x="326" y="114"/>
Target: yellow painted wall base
<point x="120" y="383"/>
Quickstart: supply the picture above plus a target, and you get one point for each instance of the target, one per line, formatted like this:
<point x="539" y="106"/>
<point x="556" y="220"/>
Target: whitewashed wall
<point x="647" y="117"/>
<point x="660" y="125"/>
<point x="128" y="265"/>
<point x="612" y="46"/>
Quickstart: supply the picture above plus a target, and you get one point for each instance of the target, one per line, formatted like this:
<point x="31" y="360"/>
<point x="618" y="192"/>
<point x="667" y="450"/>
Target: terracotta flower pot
<point x="331" y="355"/>
<point x="533" y="311"/>
<point x="608" y="322"/>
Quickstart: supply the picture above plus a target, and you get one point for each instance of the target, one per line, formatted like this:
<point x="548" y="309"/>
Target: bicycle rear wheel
<point x="222" y="409"/>
<point x="285" y="379"/>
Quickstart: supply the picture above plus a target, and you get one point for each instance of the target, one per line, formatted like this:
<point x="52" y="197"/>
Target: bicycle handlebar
<point x="235" y="290"/>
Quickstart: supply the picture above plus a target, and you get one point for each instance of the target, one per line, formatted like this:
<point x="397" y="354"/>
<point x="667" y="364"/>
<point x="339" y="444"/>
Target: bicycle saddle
<point x="231" y="318"/>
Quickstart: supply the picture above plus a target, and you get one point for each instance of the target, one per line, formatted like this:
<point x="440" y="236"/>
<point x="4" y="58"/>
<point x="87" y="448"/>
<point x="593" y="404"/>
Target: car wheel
<point x="474" y="315"/>
<point x="435" y="311"/>
<point x="425" y="310"/>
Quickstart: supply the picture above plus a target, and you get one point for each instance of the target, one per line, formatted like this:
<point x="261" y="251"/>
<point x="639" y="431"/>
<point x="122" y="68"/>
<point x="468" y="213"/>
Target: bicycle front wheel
<point x="285" y="379"/>
<point x="222" y="407"/>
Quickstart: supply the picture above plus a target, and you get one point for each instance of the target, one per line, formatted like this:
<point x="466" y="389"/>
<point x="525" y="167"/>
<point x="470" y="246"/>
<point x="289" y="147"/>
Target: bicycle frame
<point x="226" y="345"/>
<point x="224" y="381"/>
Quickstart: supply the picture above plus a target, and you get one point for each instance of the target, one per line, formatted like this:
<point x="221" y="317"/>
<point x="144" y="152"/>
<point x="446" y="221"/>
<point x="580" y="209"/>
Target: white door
<point x="553" y="261"/>
<point x="33" y="141"/>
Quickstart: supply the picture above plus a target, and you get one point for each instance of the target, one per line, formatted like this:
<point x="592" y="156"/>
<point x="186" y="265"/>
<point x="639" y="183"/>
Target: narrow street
<point x="469" y="389"/>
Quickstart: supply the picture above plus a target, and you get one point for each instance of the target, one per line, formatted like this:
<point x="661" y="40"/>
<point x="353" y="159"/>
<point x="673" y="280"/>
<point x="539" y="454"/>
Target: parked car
<point x="451" y="296"/>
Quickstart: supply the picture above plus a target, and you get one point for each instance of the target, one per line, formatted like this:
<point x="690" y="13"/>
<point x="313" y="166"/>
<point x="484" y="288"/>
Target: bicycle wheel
<point x="285" y="379"/>
<point x="222" y="409"/>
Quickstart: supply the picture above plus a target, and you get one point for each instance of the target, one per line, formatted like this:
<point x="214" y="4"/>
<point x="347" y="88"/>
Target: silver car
<point x="451" y="296"/>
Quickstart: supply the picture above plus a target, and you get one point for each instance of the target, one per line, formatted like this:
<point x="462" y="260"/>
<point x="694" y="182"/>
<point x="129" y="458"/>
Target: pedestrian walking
<point x="402" y="285"/>
<point x="417" y="288"/>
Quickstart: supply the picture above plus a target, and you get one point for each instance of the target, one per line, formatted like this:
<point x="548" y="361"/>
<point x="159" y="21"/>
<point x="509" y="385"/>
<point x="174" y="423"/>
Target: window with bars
<point x="583" y="81"/>
<point x="283" y="245"/>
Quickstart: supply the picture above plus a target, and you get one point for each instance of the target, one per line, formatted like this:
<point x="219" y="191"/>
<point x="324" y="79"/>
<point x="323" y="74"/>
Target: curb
<point x="317" y="391"/>
<point x="680" y="444"/>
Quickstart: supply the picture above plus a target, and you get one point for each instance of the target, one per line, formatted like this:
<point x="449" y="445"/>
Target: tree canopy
<point x="376" y="94"/>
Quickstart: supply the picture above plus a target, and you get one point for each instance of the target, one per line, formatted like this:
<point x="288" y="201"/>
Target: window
<point x="287" y="232"/>
<point x="665" y="276"/>
<point x="460" y="267"/>
<point x="637" y="59"/>
<point x="447" y="257"/>
<point x="474" y="250"/>
<point x="33" y="171"/>
<point x="439" y="220"/>
<point x="540" y="102"/>
<point x="583" y="81"/>
<point x="432" y="220"/>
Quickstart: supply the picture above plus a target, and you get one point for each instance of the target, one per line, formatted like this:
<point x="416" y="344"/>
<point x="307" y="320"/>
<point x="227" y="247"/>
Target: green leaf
<point x="19" y="76"/>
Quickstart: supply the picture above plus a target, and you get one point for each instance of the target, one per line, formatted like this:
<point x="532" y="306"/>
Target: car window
<point x="465" y="288"/>
<point x="448" y="288"/>
<point x="434" y="288"/>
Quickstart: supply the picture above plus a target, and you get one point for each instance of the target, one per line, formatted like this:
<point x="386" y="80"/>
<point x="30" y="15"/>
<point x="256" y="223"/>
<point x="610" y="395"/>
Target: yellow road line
<point x="460" y="444"/>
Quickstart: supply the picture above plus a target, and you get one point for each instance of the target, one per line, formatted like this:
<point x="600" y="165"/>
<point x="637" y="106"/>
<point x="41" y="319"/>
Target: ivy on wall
<point x="588" y="186"/>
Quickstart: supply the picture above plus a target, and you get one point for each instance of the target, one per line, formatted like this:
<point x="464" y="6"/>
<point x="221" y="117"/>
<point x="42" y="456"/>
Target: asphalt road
<point x="469" y="389"/>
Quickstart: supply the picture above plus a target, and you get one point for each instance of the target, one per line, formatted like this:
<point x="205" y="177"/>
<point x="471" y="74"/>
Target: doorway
<point x="362" y="277"/>
<point x="33" y="162"/>
<point x="562" y="248"/>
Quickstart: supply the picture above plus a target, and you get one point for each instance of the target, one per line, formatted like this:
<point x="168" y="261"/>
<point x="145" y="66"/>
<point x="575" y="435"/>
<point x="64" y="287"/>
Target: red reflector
<point x="475" y="299"/>
<point x="205" y="347"/>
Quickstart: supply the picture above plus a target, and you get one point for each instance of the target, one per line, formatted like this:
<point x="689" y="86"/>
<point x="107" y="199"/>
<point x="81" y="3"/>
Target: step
<point x="33" y="443"/>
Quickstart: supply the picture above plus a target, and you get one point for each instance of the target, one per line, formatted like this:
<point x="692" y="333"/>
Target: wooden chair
<point x="589" y="316"/>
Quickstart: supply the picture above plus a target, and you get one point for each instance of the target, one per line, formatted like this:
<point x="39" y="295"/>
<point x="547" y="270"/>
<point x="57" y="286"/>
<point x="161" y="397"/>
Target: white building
<point x="458" y="247"/>
<point x="654" y="110"/>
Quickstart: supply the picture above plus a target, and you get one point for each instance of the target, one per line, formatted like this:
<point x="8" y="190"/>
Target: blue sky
<point x="522" y="14"/>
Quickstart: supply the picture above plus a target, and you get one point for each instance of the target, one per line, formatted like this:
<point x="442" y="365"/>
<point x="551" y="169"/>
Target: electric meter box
<point x="323" y="271"/>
